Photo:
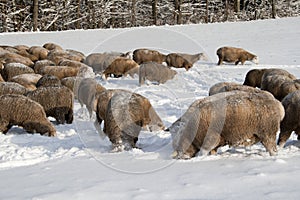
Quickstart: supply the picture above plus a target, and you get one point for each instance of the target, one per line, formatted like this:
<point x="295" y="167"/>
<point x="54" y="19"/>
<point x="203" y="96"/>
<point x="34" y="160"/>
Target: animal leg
<point x="4" y="126"/>
<point x="69" y="116"/>
<point x="237" y="62"/>
<point x="283" y="137"/>
<point x="270" y="145"/>
<point x="220" y="61"/>
<point x="211" y="141"/>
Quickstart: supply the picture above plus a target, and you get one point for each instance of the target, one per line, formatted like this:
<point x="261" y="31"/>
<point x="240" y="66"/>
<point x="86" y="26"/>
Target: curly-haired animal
<point x="87" y="90"/>
<point x="29" y="81"/>
<point x="103" y="97"/>
<point x="12" y="88"/>
<point x="121" y="67"/>
<point x="59" y="71"/>
<point x="58" y="55"/>
<point x="291" y="120"/>
<point x="48" y="80"/>
<point x="153" y="71"/>
<point x="15" y="58"/>
<point x="57" y="102"/>
<point x="40" y="53"/>
<point x="76" y="55"/>
<point x="125" y="116"/>
<point x="147" y="55"/>
<point x="177" y="61"/>
<point x="42" y="63"/>
<point x="235" y="55"/>
<point x="22" y="111"/>
<point x="234" y="118"/>
<point x="52" y="46"/>
<point x="13" y="69"/>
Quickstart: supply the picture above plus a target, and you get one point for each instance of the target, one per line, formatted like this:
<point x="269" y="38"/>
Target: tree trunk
<point x="78" y="15"/>
<point x="207" y="14"/>
<point x="178" y="13"/>
<point x="4" y="20"/>
<point x="226" y="10"/>
<point x="274" y="13"/>
<point x="237" y="6"/>
<point x="154" y="11"/>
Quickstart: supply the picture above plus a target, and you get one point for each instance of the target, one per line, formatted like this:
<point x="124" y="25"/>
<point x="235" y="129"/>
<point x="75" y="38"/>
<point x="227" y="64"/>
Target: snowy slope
<point x="78" y="165"/>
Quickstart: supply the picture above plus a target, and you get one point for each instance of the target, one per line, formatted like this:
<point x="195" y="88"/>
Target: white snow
<point x="77" y="164"/>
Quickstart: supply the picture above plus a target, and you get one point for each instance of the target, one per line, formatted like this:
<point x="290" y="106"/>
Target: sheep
<point x="71" y="63"/>
<point x="291" y="120"/>
<point x="57" y="55"/>
<point x="48" y="80"/>
<point x="103" y="99"/>
<point x="29" y="81"/>
<point x="59" y="71"/>
<point x="100" y="61"/>
<point x="220" y="87"/>
<point x="120" y="67"/>
<point x="13" y="69"/>
<point x="146" y="55"/>
<point x="12" y="88"/>
<point x="236" y="55"/>
<point x="254" y="77"/>
<point x="40" y="52"/>
<point x="22" y="111"/>
<point x="16" y="58"/>
<point x="72" y="83"/>
<point x="42" y="63"/>
<point x="76" y="55"/>
<point x="177" y="61"/>
<point x="87" y="90"/>
<point x="153" y="71"/>
<point x="52" y="46"/>
<point x="193" y="58"/>
<point x="234" y="118"/>
<point x="126" y="114"/>
<point x="56" y="101"/>
<point x="21" y="47"/>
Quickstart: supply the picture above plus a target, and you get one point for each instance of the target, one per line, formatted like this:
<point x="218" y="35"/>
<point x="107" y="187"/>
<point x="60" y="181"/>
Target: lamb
<point x="13" y="69"/>
<point x="56" y="101"/>
<point x="59" y="71"/>
<point x="146" y="55"/>
<point x="29" y="81"/>
<point x="22" y="111"/>
<point x="40" y="53"/>
<point x="100" y="61"/>
<point x="103" y="98"/>
<point x="236" y="55"/>
<point x="153" y="71"/>
<point x="48" y="80"/>
<point x="87" y="90"/>
<point x="234" y="118"/>
<point x="177" y="61"/>
<point x="12" y="88"/>
<point x="121" y="67"/>
<point x="291" y="120"/>
<point x="193" y="58"/>
<point x="126" y="114"/>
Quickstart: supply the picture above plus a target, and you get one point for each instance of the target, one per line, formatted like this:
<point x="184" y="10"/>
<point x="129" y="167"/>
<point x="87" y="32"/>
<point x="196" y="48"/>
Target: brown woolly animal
<point x="291" y="120"/>
<point x="177" y="61"/>
<point x="220" y="87"/>
<point x="254" y="77"/>
<point x="40" y="53"/>
<point x="15" y="58"/>
<point x="58" y="55"/>
<point x="56" y="101"/>
<point x="72" y="83"/>
<point x="29" y="81"/>
<point x="146" y="55"/>
<point x="193" y="58"/>
<point x="59" y="71"/>
<point x="122" y="67"/>
<point x="22" y="111"/>
<point x="52" y="46"/>
<point x="104" y="97"/>
<point x="153" y="71"/>
<point x="21" y="47"/>
<point x="126" y="114"/>
<point x="87" y="90"/>
<point x="12" y="88"/>
<point x="72" y="63"/>
<point x="235" y="55"/>
<point x="76" y="55"/>
<point x="234" y="118"/>
<point x="48" y="80"/>
<point x="100" y="61"/>
<point x="13" y="69"/>
<point x="42" y="63"/>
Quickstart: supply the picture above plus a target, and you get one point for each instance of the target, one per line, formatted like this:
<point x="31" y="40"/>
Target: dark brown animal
<point x="235" y="55"/>
<point x="52" y="46"/>
<point x="146" y="55"/>
<point x="177" y="61"/>
<point x="122" y="67"/>
<point x="48" y="80"/>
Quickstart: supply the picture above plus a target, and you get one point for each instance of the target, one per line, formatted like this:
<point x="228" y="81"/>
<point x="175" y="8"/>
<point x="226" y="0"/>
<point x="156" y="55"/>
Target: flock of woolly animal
<point x="43" y="81"/>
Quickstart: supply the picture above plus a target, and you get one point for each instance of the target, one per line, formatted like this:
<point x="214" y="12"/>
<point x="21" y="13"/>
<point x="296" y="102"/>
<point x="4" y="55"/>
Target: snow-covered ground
<point x="77" y="164"/>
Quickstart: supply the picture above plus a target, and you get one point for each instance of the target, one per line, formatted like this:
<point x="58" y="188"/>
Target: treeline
<point x="56" y="15"/>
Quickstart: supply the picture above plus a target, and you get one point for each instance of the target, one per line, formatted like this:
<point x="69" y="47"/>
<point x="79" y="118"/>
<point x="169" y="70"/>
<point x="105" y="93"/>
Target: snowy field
<point x="77" y="164"/>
